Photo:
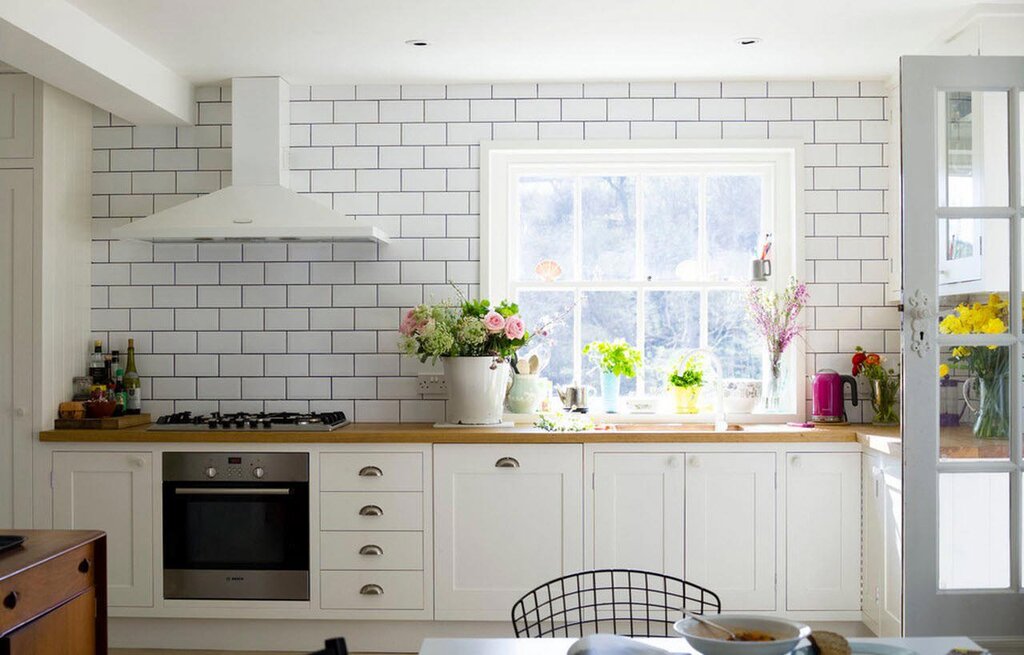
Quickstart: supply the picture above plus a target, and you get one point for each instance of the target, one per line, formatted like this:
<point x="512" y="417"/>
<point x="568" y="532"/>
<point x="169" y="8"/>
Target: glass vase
<point x="993" y="420"/>
<point x="775" y="397"/>
<point x="610" y="392"/>
<point x="885" y="396"/>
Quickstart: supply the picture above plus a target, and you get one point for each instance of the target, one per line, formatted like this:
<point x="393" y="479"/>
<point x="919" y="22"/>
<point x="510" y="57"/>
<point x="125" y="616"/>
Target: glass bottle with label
<point x="132" y="383"/>
<point x="97" y="365"/>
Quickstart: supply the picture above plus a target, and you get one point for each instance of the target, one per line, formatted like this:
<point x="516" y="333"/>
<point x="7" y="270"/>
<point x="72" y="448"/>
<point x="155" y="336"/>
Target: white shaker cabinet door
<point x="112" y="492"/>
<point x="871" y="542"/>
<point x="506" y="519"/>
<point x="823" y="531"/>
<point x="638" y="511"/>
<point x="730" y="527"/>
<point x="892" y="556"/>
<point x="16" y="116"/>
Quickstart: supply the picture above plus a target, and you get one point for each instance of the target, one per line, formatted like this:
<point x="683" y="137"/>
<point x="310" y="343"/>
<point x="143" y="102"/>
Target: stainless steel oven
<point x="236" y="526"/>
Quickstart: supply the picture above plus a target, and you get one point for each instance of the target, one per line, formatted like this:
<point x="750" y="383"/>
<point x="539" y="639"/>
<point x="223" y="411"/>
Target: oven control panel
<point x="236" y="467"/>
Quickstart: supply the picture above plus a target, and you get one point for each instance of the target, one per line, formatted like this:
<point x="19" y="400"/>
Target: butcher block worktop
<point x="426" y="433"/>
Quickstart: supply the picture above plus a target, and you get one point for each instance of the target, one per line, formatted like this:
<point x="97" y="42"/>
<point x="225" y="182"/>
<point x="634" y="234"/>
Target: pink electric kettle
<point x="827" y="402"/>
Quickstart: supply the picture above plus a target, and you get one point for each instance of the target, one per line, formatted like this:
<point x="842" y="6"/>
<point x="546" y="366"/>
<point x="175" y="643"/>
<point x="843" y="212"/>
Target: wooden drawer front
<point x="371" y="472"/>
<point x="348" y="590"/>
<point x="357" y="511"/>
<point x="43" y="587"/>
<point x="368" y="551"/>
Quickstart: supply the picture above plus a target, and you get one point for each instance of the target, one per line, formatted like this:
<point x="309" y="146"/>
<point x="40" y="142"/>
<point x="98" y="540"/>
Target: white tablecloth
<point x="922" y="645"/>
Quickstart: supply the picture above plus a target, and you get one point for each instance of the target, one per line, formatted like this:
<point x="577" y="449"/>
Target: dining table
<point x="559" y="646"/>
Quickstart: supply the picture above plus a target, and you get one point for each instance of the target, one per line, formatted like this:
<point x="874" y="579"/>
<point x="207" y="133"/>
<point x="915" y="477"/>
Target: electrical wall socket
<point x="432" y="385"/>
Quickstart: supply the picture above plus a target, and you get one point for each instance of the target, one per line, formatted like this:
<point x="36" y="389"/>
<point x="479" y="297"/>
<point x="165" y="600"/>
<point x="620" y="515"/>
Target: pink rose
<point x="409" y="324"/>
<point x="494" y="322"/>
<point x="514" y="328"/>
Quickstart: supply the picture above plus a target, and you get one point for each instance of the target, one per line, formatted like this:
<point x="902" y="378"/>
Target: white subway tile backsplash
<point x="318" y="319"/>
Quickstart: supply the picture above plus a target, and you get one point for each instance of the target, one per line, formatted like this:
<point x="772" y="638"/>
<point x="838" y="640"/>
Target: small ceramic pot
<point x="526" y="393"/>
<point x="686" y="399"/>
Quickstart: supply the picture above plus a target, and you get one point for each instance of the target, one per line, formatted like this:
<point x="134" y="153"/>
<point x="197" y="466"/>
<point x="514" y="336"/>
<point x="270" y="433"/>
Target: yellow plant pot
<point x="686" y="399"/>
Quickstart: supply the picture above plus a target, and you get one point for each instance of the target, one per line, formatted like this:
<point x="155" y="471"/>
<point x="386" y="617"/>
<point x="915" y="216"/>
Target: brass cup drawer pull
<point x="11" y="600"/>
<point x="507" y="463"/>
<point x="371" y="472"/>
<point x="371" y="510"/>
<point x="371" y="549"/>
<point x="371" y="590"/>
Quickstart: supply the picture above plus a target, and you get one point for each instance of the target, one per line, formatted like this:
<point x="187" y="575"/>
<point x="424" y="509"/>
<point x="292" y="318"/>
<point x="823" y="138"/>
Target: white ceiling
<point x="346" y="41"/>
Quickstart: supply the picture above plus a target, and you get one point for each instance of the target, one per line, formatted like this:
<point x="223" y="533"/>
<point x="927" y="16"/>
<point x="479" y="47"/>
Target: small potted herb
<point x="686" y="382"/>
<point x="614" y="359"/>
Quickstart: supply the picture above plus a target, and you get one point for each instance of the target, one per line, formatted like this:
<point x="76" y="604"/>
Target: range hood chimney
<point x="258" y="206"/>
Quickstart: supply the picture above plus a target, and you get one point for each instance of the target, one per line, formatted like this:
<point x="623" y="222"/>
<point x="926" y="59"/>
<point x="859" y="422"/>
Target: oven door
<point x="246" y="541"/>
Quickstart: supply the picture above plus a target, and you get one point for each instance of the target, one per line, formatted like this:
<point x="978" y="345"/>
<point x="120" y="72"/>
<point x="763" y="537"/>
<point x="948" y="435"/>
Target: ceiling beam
<point x="67" y="48"/>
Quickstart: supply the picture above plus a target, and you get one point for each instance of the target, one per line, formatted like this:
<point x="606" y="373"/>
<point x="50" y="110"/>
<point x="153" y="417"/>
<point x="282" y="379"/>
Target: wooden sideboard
<point x="53" y="594"/>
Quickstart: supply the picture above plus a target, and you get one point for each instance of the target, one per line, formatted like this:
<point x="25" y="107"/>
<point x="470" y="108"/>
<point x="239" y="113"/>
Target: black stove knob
<point x="211" y="424"/>
<point x="253" y="423"/>
<point x="266" y="424"/>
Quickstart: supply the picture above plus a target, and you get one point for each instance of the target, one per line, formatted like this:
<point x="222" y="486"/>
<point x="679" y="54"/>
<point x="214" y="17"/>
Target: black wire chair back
<point x="625" y="602"/>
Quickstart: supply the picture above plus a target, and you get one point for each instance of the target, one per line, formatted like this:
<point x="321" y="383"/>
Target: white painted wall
<point x="311" y="326"/>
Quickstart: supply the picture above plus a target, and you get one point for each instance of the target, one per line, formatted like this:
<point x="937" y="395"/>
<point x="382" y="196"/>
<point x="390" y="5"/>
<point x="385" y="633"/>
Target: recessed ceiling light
<point x="748" y="40"/>
<point x="418" y="43"/>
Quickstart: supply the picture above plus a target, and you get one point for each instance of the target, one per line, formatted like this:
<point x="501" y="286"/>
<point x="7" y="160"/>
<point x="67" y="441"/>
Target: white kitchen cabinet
<point x="730" y="527"/>
<point x="871" y="543"/>
<point x="506" y="519"/>
<point x="891" y="608"/>
<point x="113" y="492"/>
<point x="638" y="494"/>
<point x="823" y="531"/>
<point x="16" y="116"/>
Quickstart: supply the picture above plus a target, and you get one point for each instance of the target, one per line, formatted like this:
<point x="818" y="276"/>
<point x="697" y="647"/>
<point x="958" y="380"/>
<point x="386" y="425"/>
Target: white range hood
<point x="258" y="206"/>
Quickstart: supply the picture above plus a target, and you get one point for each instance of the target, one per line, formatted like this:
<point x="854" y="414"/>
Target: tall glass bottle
<point x="132" y="383"/>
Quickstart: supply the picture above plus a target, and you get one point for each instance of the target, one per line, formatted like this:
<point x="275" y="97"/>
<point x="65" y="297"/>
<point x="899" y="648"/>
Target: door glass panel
<point x="973" y="149"/>
<point x="974" y="402"/>
<point x="974" y="264"/>
<point x="545" y="228"/>
<point x="974" y="530"/>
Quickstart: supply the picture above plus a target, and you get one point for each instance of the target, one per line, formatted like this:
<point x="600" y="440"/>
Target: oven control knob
<point x="211" y="472"/>
<point x="258" y="472"/>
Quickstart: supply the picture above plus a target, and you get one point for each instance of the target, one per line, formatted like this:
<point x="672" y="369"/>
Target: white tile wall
<point x="312" y="326"/>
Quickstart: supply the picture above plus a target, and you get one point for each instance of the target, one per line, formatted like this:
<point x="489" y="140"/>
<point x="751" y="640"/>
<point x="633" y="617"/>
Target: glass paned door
<point x="961" y="157"/>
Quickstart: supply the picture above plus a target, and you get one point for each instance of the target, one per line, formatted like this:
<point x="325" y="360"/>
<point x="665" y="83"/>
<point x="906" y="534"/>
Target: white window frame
<point x="502" y="161"/>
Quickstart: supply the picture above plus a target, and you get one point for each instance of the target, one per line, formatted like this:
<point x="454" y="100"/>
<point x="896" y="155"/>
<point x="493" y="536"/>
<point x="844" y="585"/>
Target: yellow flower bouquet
<point x="986" y="366"/>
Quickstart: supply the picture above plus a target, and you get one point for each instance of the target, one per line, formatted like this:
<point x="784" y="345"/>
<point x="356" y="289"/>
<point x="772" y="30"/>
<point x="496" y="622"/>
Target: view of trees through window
<point x="660" y="259"/>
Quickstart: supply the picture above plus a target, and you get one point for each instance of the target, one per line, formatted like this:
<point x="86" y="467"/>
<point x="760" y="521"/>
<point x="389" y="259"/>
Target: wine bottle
<point x="97" y="366"/>
<point x="132" y="383"/>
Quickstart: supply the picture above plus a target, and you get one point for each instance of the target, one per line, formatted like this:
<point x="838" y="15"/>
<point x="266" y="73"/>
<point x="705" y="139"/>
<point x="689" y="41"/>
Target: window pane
<point x="609" y="228"/>
<point x="606" y="316"/>
<point x="545" y="228"/>
<point x="974" y="402"/>
<point x="671" y="227"/>
<point x="671" y="325"/>
<point x="974" y="530"/>
<point x="539" y="308"/>
<point x="973" y="149"/>
<point x="730" y="335"/>
<point x="734" y="225"/>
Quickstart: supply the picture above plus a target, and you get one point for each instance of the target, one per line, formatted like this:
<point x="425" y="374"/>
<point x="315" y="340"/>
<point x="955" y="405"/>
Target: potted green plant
<point x="685" y="383"/>
<point x="614" y="359"/>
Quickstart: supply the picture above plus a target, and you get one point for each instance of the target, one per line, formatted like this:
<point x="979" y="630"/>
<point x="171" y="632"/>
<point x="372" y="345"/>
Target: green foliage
<point x="691" y="373"/>
<point x="615" y="357"/>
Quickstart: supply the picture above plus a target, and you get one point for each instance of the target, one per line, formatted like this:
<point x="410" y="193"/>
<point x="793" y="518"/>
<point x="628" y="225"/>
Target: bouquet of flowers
<point x="884" y="384"/>
<point x="473" y="328"/>
<point x="775" y="317"/>
<point x="987" y="366"/>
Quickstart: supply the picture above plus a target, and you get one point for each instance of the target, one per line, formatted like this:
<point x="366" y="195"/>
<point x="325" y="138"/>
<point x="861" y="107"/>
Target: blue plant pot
<point x="610" y="392"/>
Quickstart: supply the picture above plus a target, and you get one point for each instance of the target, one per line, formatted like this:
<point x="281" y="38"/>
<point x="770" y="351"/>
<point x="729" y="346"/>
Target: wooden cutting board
<point x="111" y="423"/>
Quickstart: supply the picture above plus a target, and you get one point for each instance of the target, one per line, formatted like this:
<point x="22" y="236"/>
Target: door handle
<point x="371" y="590"/>
<point x="371" y="549"/>
<point x="371" y="510"/>
<point x="11" y="600"/>
<point x="370" y="472"/>
<point x="507" y="463"/>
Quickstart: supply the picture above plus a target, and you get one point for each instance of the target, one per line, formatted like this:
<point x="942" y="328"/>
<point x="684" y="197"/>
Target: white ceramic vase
<point x="476" y="389"/>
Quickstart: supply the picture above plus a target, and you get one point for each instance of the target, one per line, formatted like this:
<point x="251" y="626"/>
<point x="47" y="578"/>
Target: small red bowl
<point x="100" y="408"/>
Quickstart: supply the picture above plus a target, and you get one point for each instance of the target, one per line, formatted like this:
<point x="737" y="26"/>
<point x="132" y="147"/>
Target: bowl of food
<point x="755" y="635"/>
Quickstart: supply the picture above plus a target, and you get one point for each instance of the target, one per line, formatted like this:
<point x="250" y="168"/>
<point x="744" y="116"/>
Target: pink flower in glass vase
<point x="494" y="322"/>
<point x="514" y="327"/>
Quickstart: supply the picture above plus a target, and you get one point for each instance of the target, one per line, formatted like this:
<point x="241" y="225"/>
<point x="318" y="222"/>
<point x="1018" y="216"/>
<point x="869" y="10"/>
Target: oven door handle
<point x="232" y="491"/>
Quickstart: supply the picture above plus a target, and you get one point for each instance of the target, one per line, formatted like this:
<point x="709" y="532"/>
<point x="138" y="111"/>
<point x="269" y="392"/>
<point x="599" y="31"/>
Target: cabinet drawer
<point x="371" y="511"/>
<point x="348" y="590"/>
<point x="368" y="551"/>
<point x="45" y="586"/>
<point x="371" y="472"/>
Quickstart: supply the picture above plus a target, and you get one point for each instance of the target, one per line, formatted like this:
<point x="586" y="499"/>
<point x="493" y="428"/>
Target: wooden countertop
<point x="426" y="433"/>
<point x="40" y="546"/>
